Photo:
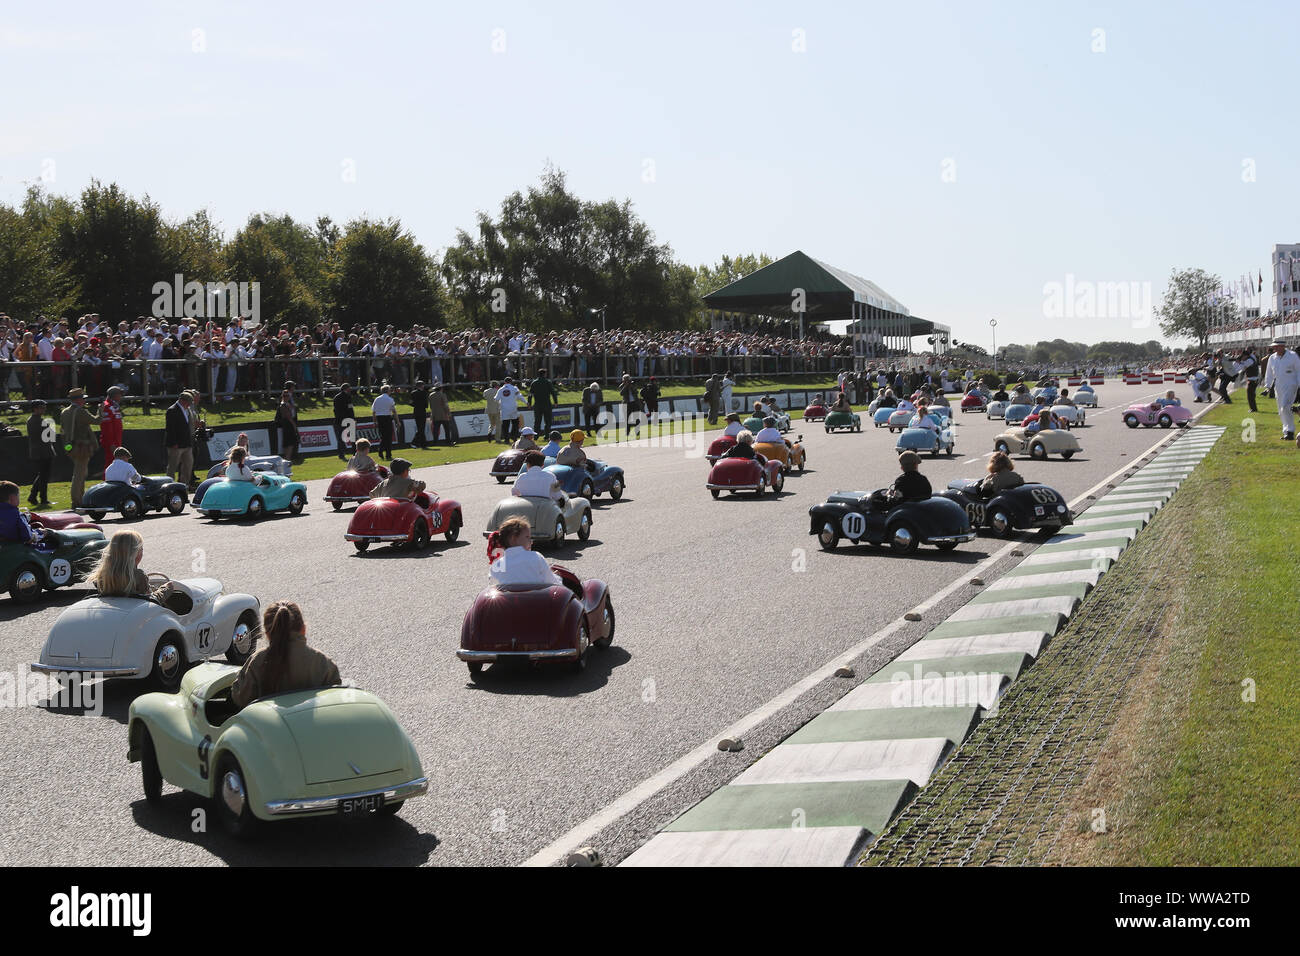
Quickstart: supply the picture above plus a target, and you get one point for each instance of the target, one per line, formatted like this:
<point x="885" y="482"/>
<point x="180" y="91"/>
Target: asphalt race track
<point x="714" y="620"/>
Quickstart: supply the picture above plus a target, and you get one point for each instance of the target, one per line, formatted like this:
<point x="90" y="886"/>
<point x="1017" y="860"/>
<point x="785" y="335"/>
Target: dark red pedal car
<point x="60" y="521"/>
<point x="402" y="521"/>
<point x="538" y="623"/>
<point x="814" y="412"/>
<point x="353" y="486"/>
<point x="719" y="447"/>
<point x="746" y="474"/>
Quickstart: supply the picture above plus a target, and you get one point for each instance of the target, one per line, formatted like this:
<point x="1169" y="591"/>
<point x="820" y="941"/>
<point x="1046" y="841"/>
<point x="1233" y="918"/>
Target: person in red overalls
<point x="110" y="423"/>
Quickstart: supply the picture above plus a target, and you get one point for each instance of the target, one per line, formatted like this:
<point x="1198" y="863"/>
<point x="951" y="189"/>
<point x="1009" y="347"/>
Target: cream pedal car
<point x="549" y="522"/>
<point x="139" y="638"/>
<point x="1050" y="441"/>
<point x="331" y="751"/>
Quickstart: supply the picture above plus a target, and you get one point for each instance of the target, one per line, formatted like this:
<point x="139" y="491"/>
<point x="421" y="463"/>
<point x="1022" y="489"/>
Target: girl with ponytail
<point x="513" y="560"/>
<point x="286" y="664"/>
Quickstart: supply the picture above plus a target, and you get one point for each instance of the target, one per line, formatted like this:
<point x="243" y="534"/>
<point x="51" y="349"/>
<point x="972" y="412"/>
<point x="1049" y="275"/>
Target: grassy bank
<point x="1203" y="769"/>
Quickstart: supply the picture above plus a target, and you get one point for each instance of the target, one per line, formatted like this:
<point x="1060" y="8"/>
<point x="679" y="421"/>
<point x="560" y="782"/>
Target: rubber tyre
<point x="243" y="823"/>
<point x="361" y="545"/>
<point x="616" y="489"/>
<point x="338" y="505"/>
<point x="1007" y="529"/>
<point x="1067" y="455"/>
<point x="1038" y="451"/>
<point x="167" y="683"/>
<point x="453" y="531"/>
<point x="296" y="503"/>
<point x="828" y="537"/>
<point x="150" y="774"/>
<point x="96" y="515"/>
<point x="420" y="536"/>
<point x="31" y="593"/>
<point x="584" y="526"/>
<point x="256" y="508"/>
<point x="946" y="545"/>
<point x="1164" y="421"/>
<point x="233" y="654"/>
<point x="1002" y="447"/>
<point x="715" y="492"/>
<point x="1131" y="421"/>
<point x="501" y="479"/>
<point x="176" y="504"/>
<point x="475" y="670"/>
<point x="778" y="483"/>
<point x="560" y="532"/>
<point x="588" y="491"/>
<point x="579" y="664"/>
<point x="130" y="509"/>
<point x="803" y="462"/>
<point x="604" y="643"/>
<point x="903" y="549"/>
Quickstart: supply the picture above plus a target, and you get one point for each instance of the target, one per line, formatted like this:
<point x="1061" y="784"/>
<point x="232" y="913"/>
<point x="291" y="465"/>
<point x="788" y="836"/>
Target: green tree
<point x="288" y="260"/>
<point x="32" y="283"/>
<point x="1190" y="303"/>
<point x="380" y="274"/>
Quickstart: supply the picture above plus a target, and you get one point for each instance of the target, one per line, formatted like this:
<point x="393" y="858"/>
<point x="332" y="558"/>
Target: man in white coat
<point x="1281" y="379"/>
<point x="508" y="400"/>
<point x="728" y="383"/>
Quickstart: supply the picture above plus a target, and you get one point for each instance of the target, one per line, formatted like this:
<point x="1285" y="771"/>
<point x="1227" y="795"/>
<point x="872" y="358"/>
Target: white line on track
<point x="559" y="850"/>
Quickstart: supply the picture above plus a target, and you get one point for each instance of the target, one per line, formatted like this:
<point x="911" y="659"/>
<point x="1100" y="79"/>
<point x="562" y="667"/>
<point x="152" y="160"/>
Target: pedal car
<point x="746" y="474"/>
<point x="402" y="521"/>
<point x="855" y="515"/>
<point x="158" y="493"/>
<point x="1085" y="396"/>
<point x="1015" y="414"/>
<point x="590" y="480"/>
<point x="719" y="447"/>
<point x="790" y="454"/>
<point x="996" y="410"/>
<point x="63" y="558"/>
<point x="880" y="417"/>
<point x="507" y="465"/>
<point x="549" y="522"/>
<point x="1153" y="414"/>
<point x="1028" y="506"/>
<point x="1048" y="392"/>
<point x="334" y="751"/>
<point x="140" y="638"/>
<point x="926" y="439"/>
<point x="973" y="402"/>
<point x="814" y="412"/>
<point x="59" y="521"/>
<point x="848" y="421"/>
<point x="899" y="418"/>
<point x="1073" y="416"/>
<point x="753" y="423"/>
<point x="537" y="623"/>
<point x="252" y="499"/>
<point x="353" y="486"/>
<point x="1051" y="441"/>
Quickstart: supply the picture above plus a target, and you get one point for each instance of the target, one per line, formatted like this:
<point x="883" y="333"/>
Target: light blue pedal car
<point x="927" y="440"/>
<point x="881" y="415"/>
<point x="252" y="499"/>
<point x="1016" y="413"/>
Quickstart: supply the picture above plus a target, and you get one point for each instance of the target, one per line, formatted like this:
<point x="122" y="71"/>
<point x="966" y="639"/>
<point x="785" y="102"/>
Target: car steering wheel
<point x="157" y="579"/>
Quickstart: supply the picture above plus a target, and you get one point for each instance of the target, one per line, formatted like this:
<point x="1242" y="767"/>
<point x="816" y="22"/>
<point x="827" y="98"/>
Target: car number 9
<point x="854" y="525"/>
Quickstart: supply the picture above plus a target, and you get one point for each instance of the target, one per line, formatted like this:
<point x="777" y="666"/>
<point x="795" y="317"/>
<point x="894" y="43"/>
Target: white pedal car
<point x="1086" y="397"/>
<point x="137" y="638"/>
<point x="549" y="522"/>
<point x="996" y="409"/>
<point x="1072" y="415"/>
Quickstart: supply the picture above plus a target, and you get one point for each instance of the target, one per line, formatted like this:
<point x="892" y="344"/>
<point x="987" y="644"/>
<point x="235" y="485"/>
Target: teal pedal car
<point x="252" y="499"/>
<point x="845" y="421"/>
<point x="63" y="558"/>
<point x="329" y="752"/>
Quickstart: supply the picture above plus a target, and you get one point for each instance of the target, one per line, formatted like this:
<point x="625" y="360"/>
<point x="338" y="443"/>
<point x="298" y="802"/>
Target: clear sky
<point x="961" y="155"/>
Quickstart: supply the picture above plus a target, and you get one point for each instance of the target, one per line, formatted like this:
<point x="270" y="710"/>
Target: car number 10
<point x="854" y="525"/>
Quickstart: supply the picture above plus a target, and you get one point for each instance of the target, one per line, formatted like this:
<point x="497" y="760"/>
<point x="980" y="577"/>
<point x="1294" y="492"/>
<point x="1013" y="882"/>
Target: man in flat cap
<point x="77" y="424"/>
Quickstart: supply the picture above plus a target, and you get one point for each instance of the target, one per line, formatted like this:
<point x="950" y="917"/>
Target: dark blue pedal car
<point x="159" y="493"/>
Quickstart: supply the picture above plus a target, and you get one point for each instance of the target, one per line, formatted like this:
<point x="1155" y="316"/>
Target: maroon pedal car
<point x="538" y="623"/>
<point x="403" y="521"/>
<point x="60" y="521"/>
<point x="719" y="447"/>
<point x="507" y="465"/>
<point x="746" y="474"/>
<point x="353" y="486"/>
<point x="815" y="412"/>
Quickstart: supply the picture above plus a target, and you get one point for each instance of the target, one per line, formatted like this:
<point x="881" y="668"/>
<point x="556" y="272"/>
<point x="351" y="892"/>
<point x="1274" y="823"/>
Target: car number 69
<point x="975" y="511"/>
<point x="1043" y="496"/>
<point x="854" y="525"/>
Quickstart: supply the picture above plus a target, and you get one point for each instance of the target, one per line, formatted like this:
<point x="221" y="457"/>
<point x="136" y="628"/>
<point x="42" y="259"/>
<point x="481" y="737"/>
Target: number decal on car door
<point x="205" y="748"/>
<point x="854" y="525"/>
<point x="205" y="637"/>
<point x="437" y="520"/>
<point x="60" y="571"/>
<point x="1043" y="496"/>
<point x="975" y="511"/>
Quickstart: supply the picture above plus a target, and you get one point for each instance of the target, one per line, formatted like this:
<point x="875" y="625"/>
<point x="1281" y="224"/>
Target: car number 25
<point x="60" y="571"/>
<point x="854" y="525"/>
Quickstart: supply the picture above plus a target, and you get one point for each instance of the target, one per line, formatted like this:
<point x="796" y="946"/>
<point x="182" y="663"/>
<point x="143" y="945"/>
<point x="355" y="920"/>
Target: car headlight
<point x="1060" y="509"/>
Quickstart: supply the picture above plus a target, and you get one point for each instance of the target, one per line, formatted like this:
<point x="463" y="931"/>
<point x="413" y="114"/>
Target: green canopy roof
<point x="829" y="293"/>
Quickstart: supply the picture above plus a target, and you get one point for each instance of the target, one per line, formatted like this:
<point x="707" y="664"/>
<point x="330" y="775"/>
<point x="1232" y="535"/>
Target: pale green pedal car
<point x="333" y="751"/>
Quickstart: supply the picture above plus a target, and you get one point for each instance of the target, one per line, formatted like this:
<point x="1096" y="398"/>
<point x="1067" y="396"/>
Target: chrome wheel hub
<point x="232" y="792"/>
<point x="168" y="661"/>
<point x="1000" y="523"/>
<point x="28" y="582"/>
<point x="243" y="639"/>
<point x="902" y="537"/>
